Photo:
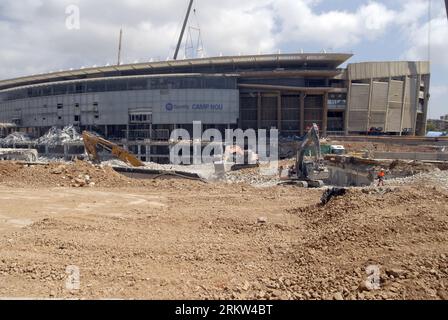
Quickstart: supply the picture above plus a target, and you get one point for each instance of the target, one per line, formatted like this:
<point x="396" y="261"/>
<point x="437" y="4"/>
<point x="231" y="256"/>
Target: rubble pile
<point x="14" y="138"/>
<point x="400" y="168"/>
<point x="252" y="176"/>
<point x="434" y="178"/>
<point x="56" y="136"/>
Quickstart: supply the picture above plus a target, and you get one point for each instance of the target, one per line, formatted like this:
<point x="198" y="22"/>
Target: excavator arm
<point x="311" y="138"/>
<point x="91" y="143"/>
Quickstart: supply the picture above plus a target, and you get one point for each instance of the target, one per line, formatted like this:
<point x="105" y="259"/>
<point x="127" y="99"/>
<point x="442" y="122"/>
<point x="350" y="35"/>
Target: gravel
<point x="436" y="177"/>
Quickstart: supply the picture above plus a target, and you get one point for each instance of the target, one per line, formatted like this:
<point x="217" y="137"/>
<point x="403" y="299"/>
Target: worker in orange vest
<point x="381" y="176"/>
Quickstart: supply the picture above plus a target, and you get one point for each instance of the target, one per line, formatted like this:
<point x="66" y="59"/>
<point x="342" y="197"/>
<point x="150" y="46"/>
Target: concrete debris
<point x="56" y="136"/>
<point x="28" y="155"/>
<point x="436" y="177"/>
<point x="15" y="138"/>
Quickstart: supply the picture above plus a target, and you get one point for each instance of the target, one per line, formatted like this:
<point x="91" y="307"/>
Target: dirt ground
<point x="181" y="239"/>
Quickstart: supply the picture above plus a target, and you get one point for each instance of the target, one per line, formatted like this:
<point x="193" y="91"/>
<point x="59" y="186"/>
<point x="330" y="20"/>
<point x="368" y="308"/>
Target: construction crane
<point x="309" y="173"/>
<point x="92" y="142"/>
<point x="446" y="7"/>
<point x="183" y="30"/>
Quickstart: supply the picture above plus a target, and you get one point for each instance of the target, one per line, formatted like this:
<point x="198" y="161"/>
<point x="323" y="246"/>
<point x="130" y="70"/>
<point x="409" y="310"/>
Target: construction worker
<point x="381" y="176"/>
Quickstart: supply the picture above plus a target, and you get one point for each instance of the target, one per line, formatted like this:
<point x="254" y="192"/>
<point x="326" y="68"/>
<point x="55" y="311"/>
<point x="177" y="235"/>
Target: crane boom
<point x="91" y="143"/>
<point x="311" y="138"/>
<point x="446" y="7"/>
<point x="183" y="30"/>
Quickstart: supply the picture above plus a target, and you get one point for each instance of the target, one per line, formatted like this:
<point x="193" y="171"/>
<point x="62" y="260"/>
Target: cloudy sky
<point x="35" y="38"/>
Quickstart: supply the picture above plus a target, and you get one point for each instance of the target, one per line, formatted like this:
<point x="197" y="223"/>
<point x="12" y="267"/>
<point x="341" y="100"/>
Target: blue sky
<point x="35" y="38"/>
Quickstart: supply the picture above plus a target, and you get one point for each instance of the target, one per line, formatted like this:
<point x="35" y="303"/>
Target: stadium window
<point x="137" y="84"/>
<point x="97" y="116"/>
<point x="60" y="89"/>
<point x="96" y="86"/>
<point x="76" y="119"/>
<point x="60" y="118"/>
<point x="60" y="106"/>
<point x="76" y="105"/>
<point x="80" y="88"/>
<point x="116" y="85"/>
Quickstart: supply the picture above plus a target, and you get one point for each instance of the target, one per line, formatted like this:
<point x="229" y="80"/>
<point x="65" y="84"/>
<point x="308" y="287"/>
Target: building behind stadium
<point x="289" y="92"/>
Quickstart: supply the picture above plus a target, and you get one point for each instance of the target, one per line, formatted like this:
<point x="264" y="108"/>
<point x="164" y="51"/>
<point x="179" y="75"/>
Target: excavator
<point x="309" y="173"/>
<point x="92" y="142"/>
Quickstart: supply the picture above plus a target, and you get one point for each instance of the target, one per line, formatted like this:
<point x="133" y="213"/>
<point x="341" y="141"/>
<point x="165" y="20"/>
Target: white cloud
<point x="438" y="44"/>
<point x="35" y="40"/>
<point x="332" y="29"/>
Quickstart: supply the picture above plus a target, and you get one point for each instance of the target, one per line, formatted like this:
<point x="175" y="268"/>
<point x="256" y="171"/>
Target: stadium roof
<point x="300" y="61"/>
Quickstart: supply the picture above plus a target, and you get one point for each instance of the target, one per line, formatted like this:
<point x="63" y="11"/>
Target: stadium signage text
<point x="195" y="107"/>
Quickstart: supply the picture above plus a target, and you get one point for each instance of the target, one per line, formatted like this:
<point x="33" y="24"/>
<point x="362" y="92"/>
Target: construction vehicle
<point x="92" y="142"/>
<point x="337" y="149"/>
<point x="309" y="172"/>
<point x="235" y="158"/>
<point x="237" y="155"/>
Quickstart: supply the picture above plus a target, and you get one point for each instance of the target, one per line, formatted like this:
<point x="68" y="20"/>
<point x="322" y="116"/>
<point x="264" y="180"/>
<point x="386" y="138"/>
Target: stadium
<point x="289" y="92"/>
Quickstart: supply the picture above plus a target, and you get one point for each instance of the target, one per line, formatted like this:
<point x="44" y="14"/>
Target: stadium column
<point x="302" y="113"/>
<point x="347" y="107"/>
<point x="417" y="98"/>
<point x="369" y="107"/>
<point x="403" y="103"/>
<point x="423" y="127"/>
<point x="386" y="121"/>
<point x="279" y="111"/>
<point x="259" y="111"/>
<point x="325" y="115"/>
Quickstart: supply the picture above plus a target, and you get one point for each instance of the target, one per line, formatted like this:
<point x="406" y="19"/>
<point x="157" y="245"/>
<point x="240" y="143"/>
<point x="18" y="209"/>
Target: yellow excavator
<point x="92" y="141"/>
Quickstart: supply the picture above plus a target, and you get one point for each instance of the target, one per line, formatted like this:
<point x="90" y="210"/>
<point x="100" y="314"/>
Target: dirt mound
<point x="76" y="174"/>
<point x="79" y="174"/>
<point x="388" y="229"/>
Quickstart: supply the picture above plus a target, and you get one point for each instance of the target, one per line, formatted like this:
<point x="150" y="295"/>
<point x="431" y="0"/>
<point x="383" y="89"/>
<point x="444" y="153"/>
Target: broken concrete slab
<point x="28" y="155"/>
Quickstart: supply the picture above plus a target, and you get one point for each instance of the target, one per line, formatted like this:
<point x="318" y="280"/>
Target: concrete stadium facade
<point x="284" y="91"/>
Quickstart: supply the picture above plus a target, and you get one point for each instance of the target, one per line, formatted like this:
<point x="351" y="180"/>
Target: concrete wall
<point x="421" y="156"/>
<point x="390" y="105"/>
<point x="112" y="108"/>
<point x="367" y="70"/>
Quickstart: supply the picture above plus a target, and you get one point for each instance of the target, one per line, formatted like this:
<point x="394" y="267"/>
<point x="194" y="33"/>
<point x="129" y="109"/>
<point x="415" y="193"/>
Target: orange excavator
<point x="92" y="142"/>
